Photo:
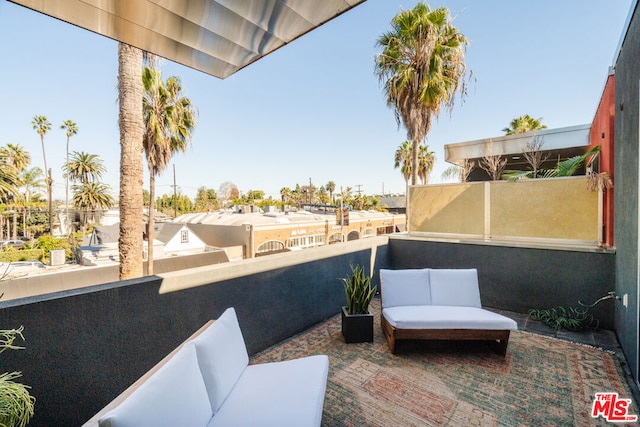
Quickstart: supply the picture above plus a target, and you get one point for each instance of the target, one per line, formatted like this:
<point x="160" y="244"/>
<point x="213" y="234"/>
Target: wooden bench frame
<point x="501" y="336"/>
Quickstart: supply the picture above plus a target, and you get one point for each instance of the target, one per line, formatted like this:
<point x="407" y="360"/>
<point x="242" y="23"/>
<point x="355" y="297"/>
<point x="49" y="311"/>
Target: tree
<point x="228" y="191"/>
<point x="90" y="196"/>
<point x="17" y="157"/>
<point x="169" y="120"/>
<point x="42" y="126"/>
<point x="206" y="200"/>
<point x="84" y="167"/>
<point x="87" y="169"/>
<point x="524" y="124"/>
<point x="30" y="180"/>
<point x="10" y="162"/>
<point x="131" y="130"/>
<point x="426" y="160"/>
<point x="533" y="154"/>
<point x="71" y="129"/>
<point x="403" y="160"/>
<point x="459" y="173"/>
<point x="492" y="163"/>
<point x="331" y="187"/>
<point x="422" y="68"/>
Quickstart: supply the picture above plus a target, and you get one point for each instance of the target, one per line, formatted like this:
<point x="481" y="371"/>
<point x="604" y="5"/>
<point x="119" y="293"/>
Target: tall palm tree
<point x="71" y="129"/>
<point x="169" y="119"/>
<point x="426" y="160"/>
<point x="84" y="167"/>
<point x="422" y="68"/>
<point x="524" y="124"/>
<point x="331" y="187"/>
<point x="131" y="129"/>
<point x="42" y="126"/>
<point x="90" y="196"/>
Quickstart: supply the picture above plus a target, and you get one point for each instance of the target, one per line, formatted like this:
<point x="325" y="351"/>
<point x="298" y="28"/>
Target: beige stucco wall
<point x="447" y="208"/>
<point x="555" y="209"/>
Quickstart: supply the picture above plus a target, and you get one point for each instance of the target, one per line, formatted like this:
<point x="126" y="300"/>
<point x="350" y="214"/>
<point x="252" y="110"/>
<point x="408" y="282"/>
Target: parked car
<point x="15" y="244"/>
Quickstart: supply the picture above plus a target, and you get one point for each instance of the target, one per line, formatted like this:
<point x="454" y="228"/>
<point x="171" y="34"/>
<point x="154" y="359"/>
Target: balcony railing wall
<point x="84" y="346"/>
<point x="557" y="210"/>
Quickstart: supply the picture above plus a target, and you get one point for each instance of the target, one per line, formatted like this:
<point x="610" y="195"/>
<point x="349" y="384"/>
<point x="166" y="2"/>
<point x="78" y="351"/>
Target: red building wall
<point x="602" y="134"/>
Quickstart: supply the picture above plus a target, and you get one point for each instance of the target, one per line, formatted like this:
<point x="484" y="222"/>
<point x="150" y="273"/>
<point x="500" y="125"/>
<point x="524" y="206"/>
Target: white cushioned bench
<point x="207" y="381"/>
<point x="438" y="304"/>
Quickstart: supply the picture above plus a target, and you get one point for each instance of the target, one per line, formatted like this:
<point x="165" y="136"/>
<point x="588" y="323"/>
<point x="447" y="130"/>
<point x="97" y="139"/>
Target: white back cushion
<point x="174" y="396"/>
<point x="455" y="287"/>
<point x="404" y="287"/>
<point x="222" y="356"/>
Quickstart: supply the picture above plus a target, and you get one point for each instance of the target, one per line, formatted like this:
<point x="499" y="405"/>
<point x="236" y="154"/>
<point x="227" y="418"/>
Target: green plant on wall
<point x="358" y="290"/>
<point x="572" y="318"/>
<point x="566" y="167"/>
<point x="16" y="404"/>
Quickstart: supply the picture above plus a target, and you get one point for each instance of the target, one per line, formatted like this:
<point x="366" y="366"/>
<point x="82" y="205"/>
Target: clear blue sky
<point x="313" y="109"/>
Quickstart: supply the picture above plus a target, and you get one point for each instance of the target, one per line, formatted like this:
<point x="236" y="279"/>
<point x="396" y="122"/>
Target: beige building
<point x="247" y="233"/>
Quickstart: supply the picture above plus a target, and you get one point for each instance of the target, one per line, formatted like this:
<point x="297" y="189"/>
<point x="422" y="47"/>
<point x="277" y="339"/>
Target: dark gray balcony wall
<point x="85" y="346"/>
<point x="517" y="278"/>
<point x="626" y="148"/>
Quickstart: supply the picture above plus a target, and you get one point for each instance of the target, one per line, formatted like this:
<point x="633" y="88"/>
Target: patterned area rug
<point x="542" y="381"/>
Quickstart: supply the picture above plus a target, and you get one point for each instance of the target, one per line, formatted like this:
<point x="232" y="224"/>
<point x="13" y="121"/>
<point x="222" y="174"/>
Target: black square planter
<point x="357" y="327"/>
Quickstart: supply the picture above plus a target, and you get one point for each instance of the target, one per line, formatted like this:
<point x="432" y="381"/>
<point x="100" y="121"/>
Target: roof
<point x="218" y="37"/>
<point x="231" y="218"/>
<point x="566" y="140"/>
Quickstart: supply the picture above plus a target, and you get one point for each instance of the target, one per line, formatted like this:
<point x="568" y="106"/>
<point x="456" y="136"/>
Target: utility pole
<point x="175" y="195"/>
<point x="359" y="188"/>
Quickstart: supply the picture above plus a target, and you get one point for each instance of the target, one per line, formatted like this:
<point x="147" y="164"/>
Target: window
<point x="184" y="236"/>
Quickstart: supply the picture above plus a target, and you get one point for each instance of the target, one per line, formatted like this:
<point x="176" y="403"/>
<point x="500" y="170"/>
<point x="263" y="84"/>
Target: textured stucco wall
<point x="626" y="191"/>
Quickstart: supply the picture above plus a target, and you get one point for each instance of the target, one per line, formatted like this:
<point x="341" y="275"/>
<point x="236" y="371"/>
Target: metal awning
<point x="568" y="141"/>
<point x="218" y="37"/>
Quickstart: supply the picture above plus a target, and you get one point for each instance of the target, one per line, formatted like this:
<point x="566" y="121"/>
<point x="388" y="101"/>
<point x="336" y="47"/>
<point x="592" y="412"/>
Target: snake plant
<point x="358" y="290"/>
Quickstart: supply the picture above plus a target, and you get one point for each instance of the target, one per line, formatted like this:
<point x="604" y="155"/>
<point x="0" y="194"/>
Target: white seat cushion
<point x="222" y="355"/>
<point x="282" y="394"/>
<point x="446" y="317"/>
<point x="404" y="287"/>
<point x="174" y="396"/>
<point x="454" y="287"/>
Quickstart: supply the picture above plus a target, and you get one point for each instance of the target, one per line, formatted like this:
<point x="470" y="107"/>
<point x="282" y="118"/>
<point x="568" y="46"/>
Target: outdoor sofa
<point x="438" y="304"/>
<point x="207" y="382"/>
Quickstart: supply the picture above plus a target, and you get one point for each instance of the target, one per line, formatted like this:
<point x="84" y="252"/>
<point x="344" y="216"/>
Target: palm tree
<point x="131" y="130"/>
<point x="90" y="196"/>
<point x="402" y="160"/>
<point x="84" y="167"/>
<point x="71" y="129"/>
<point x="42" y="126"/>
<point x="524" y="124"/>
<point x="17" y="157"/>
<point x="169" y="119"/>
<point x="331" y="187"/>
<point x="30" y="180"/>
<point x="422" y="68"/>
<point x="426" y="160"/>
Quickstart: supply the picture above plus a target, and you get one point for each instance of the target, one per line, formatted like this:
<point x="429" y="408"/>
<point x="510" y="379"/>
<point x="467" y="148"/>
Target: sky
<point x="312" y="111"/>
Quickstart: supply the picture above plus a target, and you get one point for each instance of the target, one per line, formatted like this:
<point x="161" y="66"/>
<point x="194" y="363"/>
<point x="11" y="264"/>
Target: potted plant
<point x="16" y="404"/>
<point x="357" y="321"/>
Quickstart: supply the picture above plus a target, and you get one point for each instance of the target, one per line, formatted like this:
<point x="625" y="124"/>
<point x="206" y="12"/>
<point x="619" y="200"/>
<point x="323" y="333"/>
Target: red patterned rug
<point x="542" y="381"/>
